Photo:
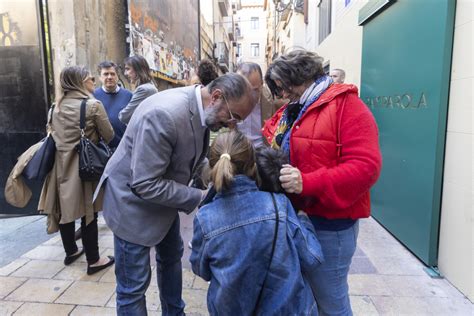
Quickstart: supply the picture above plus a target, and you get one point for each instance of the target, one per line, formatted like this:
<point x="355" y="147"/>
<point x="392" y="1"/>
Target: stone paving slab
<point x="9" y="284"/>
<point x="39" y="290"/>
<point x="93" y="311"/>
<point x="45" y="269"/>
<point x="13" y="266"/>
<point x="385" y="279"/>
<point x="29" y="309"/>
<point x="87" y="293"/>
<point x="8" y="308"/>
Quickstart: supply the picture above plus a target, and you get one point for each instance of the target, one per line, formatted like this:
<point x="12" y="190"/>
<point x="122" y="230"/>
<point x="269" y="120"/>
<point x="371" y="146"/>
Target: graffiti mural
<point x="166" y="33"/>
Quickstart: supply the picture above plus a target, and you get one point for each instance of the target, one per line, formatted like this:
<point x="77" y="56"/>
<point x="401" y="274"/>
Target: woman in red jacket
<point x="331" y="139"/>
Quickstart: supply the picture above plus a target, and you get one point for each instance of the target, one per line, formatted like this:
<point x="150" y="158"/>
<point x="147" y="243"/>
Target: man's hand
<point x="291" y="180"/>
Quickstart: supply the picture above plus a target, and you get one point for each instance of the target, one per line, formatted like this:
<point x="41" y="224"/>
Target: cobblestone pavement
<point x="385" y="279"/>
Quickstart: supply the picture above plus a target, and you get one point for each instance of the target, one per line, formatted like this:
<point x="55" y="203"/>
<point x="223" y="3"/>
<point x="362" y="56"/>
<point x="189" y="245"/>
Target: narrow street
<point x="385" y="279"/>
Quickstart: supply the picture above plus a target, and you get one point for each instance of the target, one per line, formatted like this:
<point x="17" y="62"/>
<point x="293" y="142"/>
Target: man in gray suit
<point x="146" y="181"/>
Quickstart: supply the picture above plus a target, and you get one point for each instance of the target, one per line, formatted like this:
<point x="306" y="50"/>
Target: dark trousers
<point x="90" y="236"/>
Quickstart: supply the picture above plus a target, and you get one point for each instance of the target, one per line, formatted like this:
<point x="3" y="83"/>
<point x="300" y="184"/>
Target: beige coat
<point x="65" y="197"/>
<point x="17" y="193"/>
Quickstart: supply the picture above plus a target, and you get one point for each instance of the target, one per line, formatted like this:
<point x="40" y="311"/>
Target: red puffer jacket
<point x="335" y="146"/>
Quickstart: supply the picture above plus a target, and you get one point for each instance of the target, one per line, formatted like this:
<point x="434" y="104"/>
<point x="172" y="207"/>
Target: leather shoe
<point x="70" y="259"/>
<point x="95" y="269"/>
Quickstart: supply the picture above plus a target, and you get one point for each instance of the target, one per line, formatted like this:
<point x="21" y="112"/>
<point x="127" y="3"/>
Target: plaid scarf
<point x="295" y="110"/>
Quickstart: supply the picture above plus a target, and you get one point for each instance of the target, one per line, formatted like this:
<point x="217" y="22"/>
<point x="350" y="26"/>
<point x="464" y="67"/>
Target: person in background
<point x="331" y="139"/>
<point x="338" y="75"/>
<point x="266" y="105"/>
<point x="65" y="197"/>
<point x="206" y="72"/>
<point x="138" y="73"/>
<point x="113" y="97"/>
<point x="146" y="184"/>
<point x="254" y="266"/>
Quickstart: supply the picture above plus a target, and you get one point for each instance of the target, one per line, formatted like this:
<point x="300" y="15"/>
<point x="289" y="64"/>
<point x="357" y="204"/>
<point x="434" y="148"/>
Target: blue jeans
<point x="133" y="274"/>
<point x="329" y="283"/>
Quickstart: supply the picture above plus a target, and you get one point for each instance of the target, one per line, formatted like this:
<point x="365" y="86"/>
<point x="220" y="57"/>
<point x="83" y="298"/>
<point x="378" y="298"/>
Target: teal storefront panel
<point x="406" y="64"/>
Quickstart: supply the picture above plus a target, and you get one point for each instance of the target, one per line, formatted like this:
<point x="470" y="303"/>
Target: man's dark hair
<point x="206" y="72"/>
<point x="107" y="64"/>
<point x="269" y="163"/>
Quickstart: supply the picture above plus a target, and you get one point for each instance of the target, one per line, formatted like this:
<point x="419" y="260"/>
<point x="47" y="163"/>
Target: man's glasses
<point x="233" y="119"/>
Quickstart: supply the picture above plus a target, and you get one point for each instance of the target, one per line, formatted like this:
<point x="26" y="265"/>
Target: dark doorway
<point x="24" y="88"/>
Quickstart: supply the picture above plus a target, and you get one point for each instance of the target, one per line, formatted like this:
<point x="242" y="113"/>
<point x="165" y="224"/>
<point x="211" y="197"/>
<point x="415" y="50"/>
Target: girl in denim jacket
<point x="234" y="236"/>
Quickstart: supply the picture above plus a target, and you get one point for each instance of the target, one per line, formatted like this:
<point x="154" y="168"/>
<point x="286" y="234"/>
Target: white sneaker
<point x="190" y="245"/>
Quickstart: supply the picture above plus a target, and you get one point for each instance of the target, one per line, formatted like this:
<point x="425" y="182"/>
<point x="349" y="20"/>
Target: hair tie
<point x="226" y="156"/>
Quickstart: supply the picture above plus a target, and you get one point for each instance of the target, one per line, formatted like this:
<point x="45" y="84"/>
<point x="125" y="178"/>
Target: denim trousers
<point x="133" y="274"/>
<point x="329" y="283"/>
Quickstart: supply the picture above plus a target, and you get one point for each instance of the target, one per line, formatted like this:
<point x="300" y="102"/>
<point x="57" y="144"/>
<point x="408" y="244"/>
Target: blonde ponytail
<point x="222" y="174"/>
<point x="231" y="154"/>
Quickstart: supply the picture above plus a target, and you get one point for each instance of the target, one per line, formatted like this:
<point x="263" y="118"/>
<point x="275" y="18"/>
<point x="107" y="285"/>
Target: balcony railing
<point x="224" y="7"/>
<point x="222" y="54"/>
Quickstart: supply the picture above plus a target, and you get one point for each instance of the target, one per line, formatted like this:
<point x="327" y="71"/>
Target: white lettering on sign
<point x="402" y="101"/>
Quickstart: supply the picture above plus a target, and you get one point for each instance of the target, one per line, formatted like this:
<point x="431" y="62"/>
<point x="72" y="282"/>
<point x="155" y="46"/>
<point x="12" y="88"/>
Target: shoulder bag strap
<point x="271" y="256"/>
<point x="82" y="120"/>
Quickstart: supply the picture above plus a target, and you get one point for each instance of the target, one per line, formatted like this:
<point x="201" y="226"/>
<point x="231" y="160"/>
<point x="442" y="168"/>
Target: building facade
<point x="251" y="33"/>
<point x="207" y="42"/>
<point x="223" y="34"/>
<point x="285" y="20"/>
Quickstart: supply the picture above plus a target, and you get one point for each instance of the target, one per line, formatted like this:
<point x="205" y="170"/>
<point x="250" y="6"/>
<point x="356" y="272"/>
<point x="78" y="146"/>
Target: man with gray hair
<point x="338" y="75"/>
<point x="265" y="105"/>
<point x="146" y="183"/>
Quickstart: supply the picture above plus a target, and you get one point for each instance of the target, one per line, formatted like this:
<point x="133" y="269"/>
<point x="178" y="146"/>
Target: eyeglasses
<point x="280" y="89"/>
<point x="233" y="119"/>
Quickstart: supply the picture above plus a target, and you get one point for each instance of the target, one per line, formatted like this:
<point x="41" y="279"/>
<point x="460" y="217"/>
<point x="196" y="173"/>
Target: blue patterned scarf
<point x="295" y="110"/>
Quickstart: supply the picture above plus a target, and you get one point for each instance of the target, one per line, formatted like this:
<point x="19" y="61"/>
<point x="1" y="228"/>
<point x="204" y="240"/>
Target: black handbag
<point x="43" y="160"/>
<point x="92" y="157"/>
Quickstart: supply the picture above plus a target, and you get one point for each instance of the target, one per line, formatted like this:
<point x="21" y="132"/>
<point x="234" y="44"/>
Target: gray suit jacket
<point x="141" y="93"/>
<point x="146" y="179"/>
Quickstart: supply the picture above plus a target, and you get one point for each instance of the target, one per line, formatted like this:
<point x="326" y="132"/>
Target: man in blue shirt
<point x="114" y="97"/>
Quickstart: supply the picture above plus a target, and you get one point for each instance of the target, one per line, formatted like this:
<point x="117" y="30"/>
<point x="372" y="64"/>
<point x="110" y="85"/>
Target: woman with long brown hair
<point x="65" y="197"/>
<point x="139" y="74"/>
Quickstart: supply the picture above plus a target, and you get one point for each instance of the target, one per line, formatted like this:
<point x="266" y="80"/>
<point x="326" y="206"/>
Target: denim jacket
<point x="232" y="244"/>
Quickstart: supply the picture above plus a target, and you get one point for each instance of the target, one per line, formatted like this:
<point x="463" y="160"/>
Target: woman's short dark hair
<point x="141" y="68"/>
<point x="206" y="72"/>
<point x="294" y="69"/>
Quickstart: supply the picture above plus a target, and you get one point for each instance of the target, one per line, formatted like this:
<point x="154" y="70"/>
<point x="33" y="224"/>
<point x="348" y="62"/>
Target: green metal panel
<point x="406" y="64"/>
